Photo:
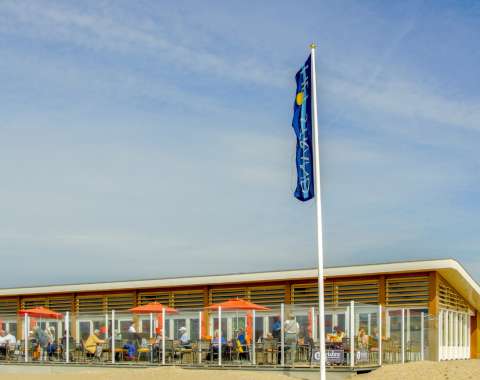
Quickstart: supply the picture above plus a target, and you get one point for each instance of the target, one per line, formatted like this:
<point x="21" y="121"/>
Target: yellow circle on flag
<point x="299" y="98"/>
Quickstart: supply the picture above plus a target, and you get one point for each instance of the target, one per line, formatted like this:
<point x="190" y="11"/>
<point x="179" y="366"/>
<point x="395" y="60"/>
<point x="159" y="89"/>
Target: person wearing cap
<point x="93" y="345"/>
<point x="184" y="341"/>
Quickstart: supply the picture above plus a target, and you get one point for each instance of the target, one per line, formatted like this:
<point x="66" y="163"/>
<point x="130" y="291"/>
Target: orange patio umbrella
<point x="238" y="304"/>
<point x="41" y="312"/>
<point x="153" y="308"/>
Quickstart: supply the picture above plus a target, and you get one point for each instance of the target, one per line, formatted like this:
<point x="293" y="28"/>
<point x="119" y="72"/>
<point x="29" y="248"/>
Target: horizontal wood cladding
<point x="188" y="299"/>
<point x="400" y="289"/>
<point x="407" y="291"/>
<point x="366" y="291"/>
<point x="449" y="298"/>
<point x="180" y="299"/>
<point x="90" y="304"/>
<point x="337" y="293"/>
<point x="267" y="295"/>
<point x="8" y="307"/>
<point x="59" y="304"/>
<point x="223" y="294"/>
<point x="262" y="295"/>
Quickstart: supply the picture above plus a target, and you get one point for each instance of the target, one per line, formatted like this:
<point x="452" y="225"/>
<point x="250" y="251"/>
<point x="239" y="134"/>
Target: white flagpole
<point x="318" y="203"/>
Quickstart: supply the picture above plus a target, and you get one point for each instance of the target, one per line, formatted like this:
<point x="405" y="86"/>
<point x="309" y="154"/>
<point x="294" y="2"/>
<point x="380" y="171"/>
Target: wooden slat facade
<point x="394" y="290"/>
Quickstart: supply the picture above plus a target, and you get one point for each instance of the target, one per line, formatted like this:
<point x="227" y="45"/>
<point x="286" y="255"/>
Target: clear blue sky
<point x="144" y="139"/>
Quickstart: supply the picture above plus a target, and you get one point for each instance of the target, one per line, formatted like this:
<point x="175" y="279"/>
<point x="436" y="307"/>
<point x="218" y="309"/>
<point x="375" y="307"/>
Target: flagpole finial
<point x="313" y="45"/>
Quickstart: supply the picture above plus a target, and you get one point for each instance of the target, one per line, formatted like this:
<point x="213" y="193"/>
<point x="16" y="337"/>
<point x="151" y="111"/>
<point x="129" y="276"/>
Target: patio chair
<point x="271" y="351"/>
<point x="72" y="348"/>
<point x="413" y="351"/>
<point x="202" y="347"/>
<point x="20" y="350"/>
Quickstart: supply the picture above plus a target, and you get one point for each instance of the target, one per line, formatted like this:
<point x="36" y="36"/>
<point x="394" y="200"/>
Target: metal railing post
<point x="25" y="336"/>
<point x="253" y="338"/>
<point x="220" y="336"/>
<point x="352" y="334"/>
<point x="163" y="336"/>
<point x="113" y="337"/>
<point x="67" y="337"/>
<point x="282" y="336"/>
<point x="403" y="335"/>
<point x="199" y="337"/>
<point x="380" y="333"/>
<point x="422" y="337"/>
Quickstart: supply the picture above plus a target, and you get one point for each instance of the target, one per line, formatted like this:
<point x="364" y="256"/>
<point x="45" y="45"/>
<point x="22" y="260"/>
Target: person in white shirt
<point x="12" y="341"/>
<point x="3" y="343"/>
<point x="184" y="341"/>
<point x="291" y="328"/>
<point x="132" y="329"/>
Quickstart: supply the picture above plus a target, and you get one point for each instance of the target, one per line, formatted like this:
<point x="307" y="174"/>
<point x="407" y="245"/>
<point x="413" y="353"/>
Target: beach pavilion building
<point x="423" y="310"/>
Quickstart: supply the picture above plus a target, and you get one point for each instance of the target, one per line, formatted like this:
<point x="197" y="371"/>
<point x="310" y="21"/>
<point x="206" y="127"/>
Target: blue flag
<point x="302" y="124"/>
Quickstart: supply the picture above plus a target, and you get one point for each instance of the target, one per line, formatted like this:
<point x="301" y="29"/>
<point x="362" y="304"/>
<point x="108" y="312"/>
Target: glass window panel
<point x="258" y="327"/>
<point x="84" y="329"/>
<point x="12" y="328"/>
<point x="194" y="326"/>
<point x="224" y="326"/>
<point x="145" y="326"/>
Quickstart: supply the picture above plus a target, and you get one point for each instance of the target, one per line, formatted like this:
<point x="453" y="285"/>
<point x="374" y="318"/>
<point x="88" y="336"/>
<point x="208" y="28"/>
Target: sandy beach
<point x="452" y="370"/>
<point x="446" y="370"/>
<point x="170" y="373"/>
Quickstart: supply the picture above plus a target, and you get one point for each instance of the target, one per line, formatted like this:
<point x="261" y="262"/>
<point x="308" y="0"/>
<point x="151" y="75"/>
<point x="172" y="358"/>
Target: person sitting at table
<point x="215" y="345"/>
<point x="262" y="339"/>
<point x="11" y="339"/>
<point x="339" y="335"/>
<point x="184" y="340"/>
<point x="133" y="335"/>
<point x="157" y="345"/>
<point x="3" y="343"/>
<point x="93" y="345"/>
<point x="362" y="338"/>
<point x="241" y="343"/>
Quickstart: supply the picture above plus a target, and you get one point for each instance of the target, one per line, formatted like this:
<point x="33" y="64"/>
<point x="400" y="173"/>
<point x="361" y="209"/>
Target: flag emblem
<point x="302" y="125"/>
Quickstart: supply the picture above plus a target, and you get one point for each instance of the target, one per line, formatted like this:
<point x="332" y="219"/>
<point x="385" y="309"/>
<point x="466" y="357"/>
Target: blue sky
<point x="150" y="139"/>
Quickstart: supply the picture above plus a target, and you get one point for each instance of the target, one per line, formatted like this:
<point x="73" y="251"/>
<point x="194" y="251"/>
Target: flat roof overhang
<point x="449" y="269"/>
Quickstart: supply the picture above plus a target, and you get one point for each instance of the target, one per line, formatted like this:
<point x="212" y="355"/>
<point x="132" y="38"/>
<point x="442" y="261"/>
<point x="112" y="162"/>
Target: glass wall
<point x="356" y="335"/>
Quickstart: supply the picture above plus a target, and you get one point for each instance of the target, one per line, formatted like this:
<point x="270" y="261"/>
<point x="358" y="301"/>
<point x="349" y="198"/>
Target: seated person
<point x="215" y="339"/>
<point x="263" y="339"/>
<point x="133" y="335"/>
<point x="93" y="345"/>
<point x="241" y="337"/>
<point x="157" y="345"/>
<point x="241" y="342"/>
<point x="12" y="341"/>
<point x="362" y="339"/>
<point x="339" y="335"/>
<point x="184" y="340"/>
<point x="131" y="350"/>
<point x="3" y="343"/>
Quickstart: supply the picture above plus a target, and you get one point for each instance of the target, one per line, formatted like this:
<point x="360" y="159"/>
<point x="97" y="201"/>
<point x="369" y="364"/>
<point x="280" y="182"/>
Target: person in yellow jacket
<point x="94" y="344"/>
